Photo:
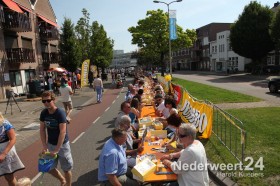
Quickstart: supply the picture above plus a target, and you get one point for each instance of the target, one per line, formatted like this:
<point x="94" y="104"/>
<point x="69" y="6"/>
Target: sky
<point x="118" y="15"/>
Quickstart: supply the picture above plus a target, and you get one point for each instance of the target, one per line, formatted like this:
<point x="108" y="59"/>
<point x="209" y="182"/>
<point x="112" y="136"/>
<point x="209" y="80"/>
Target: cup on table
<point x="153" y="138"/>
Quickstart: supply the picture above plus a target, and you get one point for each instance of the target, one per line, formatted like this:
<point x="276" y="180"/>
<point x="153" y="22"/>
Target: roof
<point x="24" y="3"/>
<point x="42" y="7"/>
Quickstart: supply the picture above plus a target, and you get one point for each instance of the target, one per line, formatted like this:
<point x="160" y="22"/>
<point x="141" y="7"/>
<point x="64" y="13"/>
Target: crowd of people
<point x="119" y="153"/>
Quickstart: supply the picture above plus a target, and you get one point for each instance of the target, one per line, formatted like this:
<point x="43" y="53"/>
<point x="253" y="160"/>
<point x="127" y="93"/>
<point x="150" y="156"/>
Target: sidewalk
<point x="26" y="121"/>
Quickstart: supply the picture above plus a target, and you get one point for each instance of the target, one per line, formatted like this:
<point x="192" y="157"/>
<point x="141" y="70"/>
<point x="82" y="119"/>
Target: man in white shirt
<point x="98" y="87"/>
<point x="191" y="166"/>
<point x="65" y="92"/>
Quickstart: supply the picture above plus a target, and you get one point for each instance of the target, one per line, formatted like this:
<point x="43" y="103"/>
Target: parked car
<point x="274" y="85"/>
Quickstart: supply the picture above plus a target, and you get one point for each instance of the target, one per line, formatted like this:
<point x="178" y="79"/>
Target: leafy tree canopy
<point x="151" y="35"/>
<point x="250" y="33"/>
<point x="101" y="51"/>
<point x="70" y="54"/>
<point x="275" y="30"/>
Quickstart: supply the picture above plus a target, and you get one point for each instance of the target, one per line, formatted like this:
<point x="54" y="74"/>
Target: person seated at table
<point x="129" y="87"/>
<point x="131" y="94"/>
<point x="131" y="153"/>
<point x="112" y="167"/>
<point x="135" y="113"/>
<point x="194" y="153"/>
<point x="161" y="110"/>
<point x="125" y="110"/>
<point x="170" y="104"/>
<point x="174" y="121"/>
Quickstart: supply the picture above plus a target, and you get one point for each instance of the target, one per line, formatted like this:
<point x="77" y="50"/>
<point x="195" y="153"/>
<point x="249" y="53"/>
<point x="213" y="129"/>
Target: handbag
<point x="45" y="162"/>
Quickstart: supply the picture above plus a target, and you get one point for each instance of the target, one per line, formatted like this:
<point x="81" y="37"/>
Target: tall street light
<point x="169" y="41"/>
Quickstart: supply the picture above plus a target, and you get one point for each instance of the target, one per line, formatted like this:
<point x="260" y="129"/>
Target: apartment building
<point x="197" y="57"/>
<point x="28" y="43"/>
<point x="222" y="57"/>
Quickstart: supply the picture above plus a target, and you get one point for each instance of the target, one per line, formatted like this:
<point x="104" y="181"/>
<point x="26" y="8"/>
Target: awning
<point x="13" y="6"/>
<point x="58" y="69"/>
<point x="26" y="9"/>
<point x="48" y="21"/>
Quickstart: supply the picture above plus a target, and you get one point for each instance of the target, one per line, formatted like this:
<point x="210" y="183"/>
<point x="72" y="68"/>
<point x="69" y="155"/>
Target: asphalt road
<point x="86" y="147"/>
<point x="242" y="83"/>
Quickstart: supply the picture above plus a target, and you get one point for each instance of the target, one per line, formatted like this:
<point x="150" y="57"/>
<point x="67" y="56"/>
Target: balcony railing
<point x="20" y="55"/>
<point x="17" y="22"/>
<point x="46" y="57"/>
<point x="49" y="33"/>
<point x="2" y="17"/>
<point x="55" y="57"/>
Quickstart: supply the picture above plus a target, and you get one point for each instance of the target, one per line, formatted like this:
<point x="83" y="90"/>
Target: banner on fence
<point x="84" y="75"/>
<point x="197" y="113"/>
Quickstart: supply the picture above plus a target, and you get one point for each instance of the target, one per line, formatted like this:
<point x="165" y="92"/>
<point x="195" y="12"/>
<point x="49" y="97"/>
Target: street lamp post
<point x="169" y="41"/>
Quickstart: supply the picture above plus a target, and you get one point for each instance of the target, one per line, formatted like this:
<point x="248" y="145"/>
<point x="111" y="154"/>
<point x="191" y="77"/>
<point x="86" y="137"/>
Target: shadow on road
<point x="274" y="94"/>
<point x="87" y="179"/>
<point x="111" y="124"/>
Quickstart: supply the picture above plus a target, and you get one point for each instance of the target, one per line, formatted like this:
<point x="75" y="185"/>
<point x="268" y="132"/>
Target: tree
<point x="249" y="35"/>
<point x="152" y="36"/>
<point x="275" y="34"/>
<point x="70" y="55"/>
<point x="83" y="34"/>
<point x="101" y="47"/>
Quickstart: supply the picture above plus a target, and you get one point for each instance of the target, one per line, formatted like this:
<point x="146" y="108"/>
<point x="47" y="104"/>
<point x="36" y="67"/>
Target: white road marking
<point x="118" y="96"/>
<point x="114" y="101"/>
<point x="74" y="141"/>
<point x="107" y="109"/>
<point x="36" y="177"/>
<point x="96" y="120"/>
<point x="32" y="126"/>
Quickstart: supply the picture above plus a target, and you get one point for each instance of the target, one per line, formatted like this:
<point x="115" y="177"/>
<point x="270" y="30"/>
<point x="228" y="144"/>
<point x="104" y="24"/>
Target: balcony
<point x="46" y="57"/>
<point x="16" y="22"/>
<point x="2" y="17"/>
<point x="55" y="57"/>
<point x="20" y="55"/>
<point x="48" y="33"/>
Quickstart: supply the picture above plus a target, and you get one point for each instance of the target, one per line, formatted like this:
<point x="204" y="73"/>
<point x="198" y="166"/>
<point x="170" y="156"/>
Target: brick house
<point x="28" y="43"/>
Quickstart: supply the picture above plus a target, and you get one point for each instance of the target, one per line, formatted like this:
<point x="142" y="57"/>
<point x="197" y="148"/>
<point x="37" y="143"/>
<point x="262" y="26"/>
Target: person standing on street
<point x="98" y="87"/>
<point x="9" y="160"/>
<point x="66" y="92"/>
<point x="54" y="138"/>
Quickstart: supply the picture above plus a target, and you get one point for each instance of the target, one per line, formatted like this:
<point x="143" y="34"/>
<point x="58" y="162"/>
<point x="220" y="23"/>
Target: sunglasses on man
<point x="47" y="100"/>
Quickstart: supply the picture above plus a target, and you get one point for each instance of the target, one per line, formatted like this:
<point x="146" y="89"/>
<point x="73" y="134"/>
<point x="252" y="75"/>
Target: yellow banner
<point x="198" y="114"/>
<point x="84" y="74"/>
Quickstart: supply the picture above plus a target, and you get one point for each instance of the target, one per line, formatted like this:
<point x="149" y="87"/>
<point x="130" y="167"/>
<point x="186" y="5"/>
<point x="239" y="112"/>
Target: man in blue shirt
<point x="112" y="166"/>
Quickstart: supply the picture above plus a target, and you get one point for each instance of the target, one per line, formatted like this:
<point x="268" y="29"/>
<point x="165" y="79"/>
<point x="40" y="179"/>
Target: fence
<point x="230" y="132"/>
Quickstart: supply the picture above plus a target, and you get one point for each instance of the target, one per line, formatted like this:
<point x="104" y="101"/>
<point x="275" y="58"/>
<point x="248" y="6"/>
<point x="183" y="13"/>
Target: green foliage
<point x="83" y="34"/>
<point x="152" y="36"/>
<point x="85" y="41"/>
<point x="250" y="33"/>
<point x="101" y="50"/>
<point x="275" y="30"/>
<point x="70" y="54"/>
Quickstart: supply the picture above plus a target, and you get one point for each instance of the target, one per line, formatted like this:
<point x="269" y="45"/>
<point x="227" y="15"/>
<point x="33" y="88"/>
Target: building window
<point x="15" y="78"/>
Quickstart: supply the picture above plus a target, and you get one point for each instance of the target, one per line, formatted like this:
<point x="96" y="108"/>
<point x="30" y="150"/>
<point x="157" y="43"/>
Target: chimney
<point x="276" y="4"/>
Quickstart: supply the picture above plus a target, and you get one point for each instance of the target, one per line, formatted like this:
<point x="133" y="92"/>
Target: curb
<point x="219" y="178"/>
